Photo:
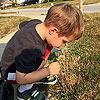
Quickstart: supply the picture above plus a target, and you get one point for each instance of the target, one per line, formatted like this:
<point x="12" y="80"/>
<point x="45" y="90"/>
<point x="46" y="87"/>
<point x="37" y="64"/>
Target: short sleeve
<point x="25" y="61"/>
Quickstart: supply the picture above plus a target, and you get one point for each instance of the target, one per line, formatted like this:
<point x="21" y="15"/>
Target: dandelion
<point x="61" y="58"/>
<point x="58" y="53"/>
<point x="64" y="51"/>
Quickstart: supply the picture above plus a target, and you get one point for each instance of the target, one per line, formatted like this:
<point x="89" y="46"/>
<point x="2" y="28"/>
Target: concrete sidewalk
<point x="3" y="42"/>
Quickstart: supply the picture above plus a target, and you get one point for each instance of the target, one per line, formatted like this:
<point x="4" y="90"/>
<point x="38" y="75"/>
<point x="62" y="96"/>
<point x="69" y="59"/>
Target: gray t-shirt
<point x="24" y="49"/>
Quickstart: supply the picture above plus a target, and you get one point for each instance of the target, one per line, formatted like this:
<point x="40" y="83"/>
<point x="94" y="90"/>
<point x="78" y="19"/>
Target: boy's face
<point x="57" y="41"/>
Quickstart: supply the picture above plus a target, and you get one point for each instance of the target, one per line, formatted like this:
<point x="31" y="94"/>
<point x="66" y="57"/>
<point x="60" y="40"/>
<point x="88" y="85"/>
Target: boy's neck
<point x="41" y="30"/>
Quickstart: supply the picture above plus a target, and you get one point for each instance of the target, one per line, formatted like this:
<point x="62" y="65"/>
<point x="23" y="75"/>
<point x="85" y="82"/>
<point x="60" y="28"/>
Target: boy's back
<point x="25" y="42"/>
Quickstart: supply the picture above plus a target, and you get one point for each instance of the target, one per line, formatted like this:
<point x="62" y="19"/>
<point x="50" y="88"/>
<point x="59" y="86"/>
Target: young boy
<point x="27" y="51"/>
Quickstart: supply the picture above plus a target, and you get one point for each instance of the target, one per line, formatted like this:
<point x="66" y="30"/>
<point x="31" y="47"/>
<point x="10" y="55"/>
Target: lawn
<point x="79" y="78"/>
<point x="10" y="24"/>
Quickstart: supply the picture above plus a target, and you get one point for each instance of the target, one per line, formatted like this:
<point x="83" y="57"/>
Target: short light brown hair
<point x="67" y="18"/>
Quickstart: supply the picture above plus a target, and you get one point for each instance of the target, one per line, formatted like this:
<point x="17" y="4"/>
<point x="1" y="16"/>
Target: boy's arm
<point x="23" y="78"/>
<point x="27" y="78"/>
<point x="20" y="75"/>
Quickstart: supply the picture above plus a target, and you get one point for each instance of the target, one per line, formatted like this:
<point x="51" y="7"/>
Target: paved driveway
<point x="40" y="11"/>
<point x="92" y="8"/>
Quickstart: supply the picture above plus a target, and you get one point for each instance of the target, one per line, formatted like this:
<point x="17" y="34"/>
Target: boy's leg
<point x="23" y="88"/>
<point x="30" y="94"/>
<point x="28" y="91"/>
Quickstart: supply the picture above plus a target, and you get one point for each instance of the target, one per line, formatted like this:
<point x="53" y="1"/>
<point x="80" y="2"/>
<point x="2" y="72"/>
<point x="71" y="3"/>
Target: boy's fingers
<point x="59" y="62"/>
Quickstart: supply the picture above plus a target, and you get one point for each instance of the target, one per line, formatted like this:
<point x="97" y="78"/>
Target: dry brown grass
<point x="10" y="24"/>
<point x="91" y="1"/>
<point x="80" y="70"/>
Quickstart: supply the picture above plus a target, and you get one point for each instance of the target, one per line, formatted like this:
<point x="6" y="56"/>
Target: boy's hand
<point x="54" y="68"/>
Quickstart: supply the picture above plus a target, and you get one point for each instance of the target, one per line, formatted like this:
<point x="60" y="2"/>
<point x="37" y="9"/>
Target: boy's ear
<point x="52" y="30"/>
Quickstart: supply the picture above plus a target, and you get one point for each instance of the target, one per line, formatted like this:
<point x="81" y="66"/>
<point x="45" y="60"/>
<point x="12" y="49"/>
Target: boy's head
<point x="67" y="20"/>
